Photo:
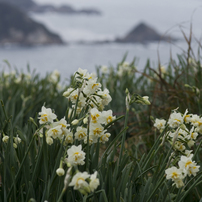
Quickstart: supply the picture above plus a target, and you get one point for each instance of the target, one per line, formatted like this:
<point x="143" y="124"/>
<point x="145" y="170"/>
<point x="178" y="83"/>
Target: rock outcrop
<point x="143" y="33"/>
<point x="17" y="28"/>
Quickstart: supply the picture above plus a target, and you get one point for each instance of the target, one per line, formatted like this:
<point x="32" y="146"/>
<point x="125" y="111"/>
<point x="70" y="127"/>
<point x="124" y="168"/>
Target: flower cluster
<point x="182" y="134"/>
<point x="89" y="93"/>
<point x="87" y="123"/>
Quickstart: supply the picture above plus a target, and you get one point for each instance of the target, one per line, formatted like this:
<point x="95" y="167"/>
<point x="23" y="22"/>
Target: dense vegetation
<point x="131" y="165"/>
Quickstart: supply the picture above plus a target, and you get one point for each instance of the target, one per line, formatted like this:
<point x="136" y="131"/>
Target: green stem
<point x="17" y="175"/>
<point x="124" y="135"/>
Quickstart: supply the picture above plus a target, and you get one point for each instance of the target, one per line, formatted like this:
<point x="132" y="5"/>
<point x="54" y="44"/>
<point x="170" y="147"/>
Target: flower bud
<point x="15" y="145"/>
<point x="66" y="94"/>
<point x="5" y="139"/>
<point x="75" y="122"/>
<point x="49" y="140"/>
<point x="17" y="140"/>
<point x="60" y="171"/>
<point x="85" y="120"/>
<point x="146" y="100"/>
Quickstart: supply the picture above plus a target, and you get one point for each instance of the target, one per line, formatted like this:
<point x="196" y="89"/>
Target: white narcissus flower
<point x="69" y="138"/>
<point x="175" y="120"/>
<point x="105" y="137"/>
<point x="188" y="166"/>
<point x="55" y="132"/>
<point x="60" y="171"/>
<point x="46" y="115"/>
<point x="5" y="139"/>
<point x="80" y="74"/>
<point x="79" y="180"/>
<point x="104" y="69"/>
<point x="160" y="124"/>
<point x="107" y="117"/>
<point x="74" y="95"/>
<point x="92" y="87"/>
<point x="62" y="122"/>
<point x="173" y="173"/>
<point x="91" y="140"/>
<point x="95" y="115"/>
<point x="96" y="130"/>
<point x="81" y="133"/>
<point x="179" y="146"/>
<point x="179" y="183"/>
<point x="106" y="98"/>
<point x="94" y="182"/>
<point x="75" y="155"/>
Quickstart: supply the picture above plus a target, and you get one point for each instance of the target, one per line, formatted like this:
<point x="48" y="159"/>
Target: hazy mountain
<point x="17" y="28"/>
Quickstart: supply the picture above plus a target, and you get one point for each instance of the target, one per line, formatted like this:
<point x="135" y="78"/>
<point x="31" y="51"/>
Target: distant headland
<point x="19" y="29"/>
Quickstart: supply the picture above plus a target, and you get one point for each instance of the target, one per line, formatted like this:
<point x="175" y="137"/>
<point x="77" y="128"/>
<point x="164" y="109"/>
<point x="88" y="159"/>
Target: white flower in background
<point x="5" y="139"/>
<point x="79" y="180"/>
<point x="55" y="132"/>
<point x="55" y="76"/>
<point x="69" y="138"/>
<point x="46" y="115"/>
<point x="175" y="120"/>
<point x="107" y="117"/>
<point x="49" y="140"/>
<point x="91" y="140"/>
<point x="188" y="166"/>
<point x="75" y="155"/>
<point x="94" y="182"/>
<point x="105" y="137"/>
<point x="179" y="183"/>
<point x="95" y="115"/>
<point x="81" y="133"/>
<point x="160" y="124"/>
<point x="60" y="171"/>
<point x="104" y="69"/>
<point x="163" y="69"/>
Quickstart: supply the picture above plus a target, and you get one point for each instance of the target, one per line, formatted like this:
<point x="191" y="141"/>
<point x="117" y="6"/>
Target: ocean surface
<point x="117" y="19"/>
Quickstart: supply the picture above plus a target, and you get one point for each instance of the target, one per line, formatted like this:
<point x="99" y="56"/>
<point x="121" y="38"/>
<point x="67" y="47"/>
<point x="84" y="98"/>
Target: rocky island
<point x="143" y="33"/>
<point x="17" y="28"/>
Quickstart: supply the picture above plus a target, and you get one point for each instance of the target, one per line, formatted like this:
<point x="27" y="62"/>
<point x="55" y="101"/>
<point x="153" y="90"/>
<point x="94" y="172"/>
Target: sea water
<point x="117" y="19"/>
